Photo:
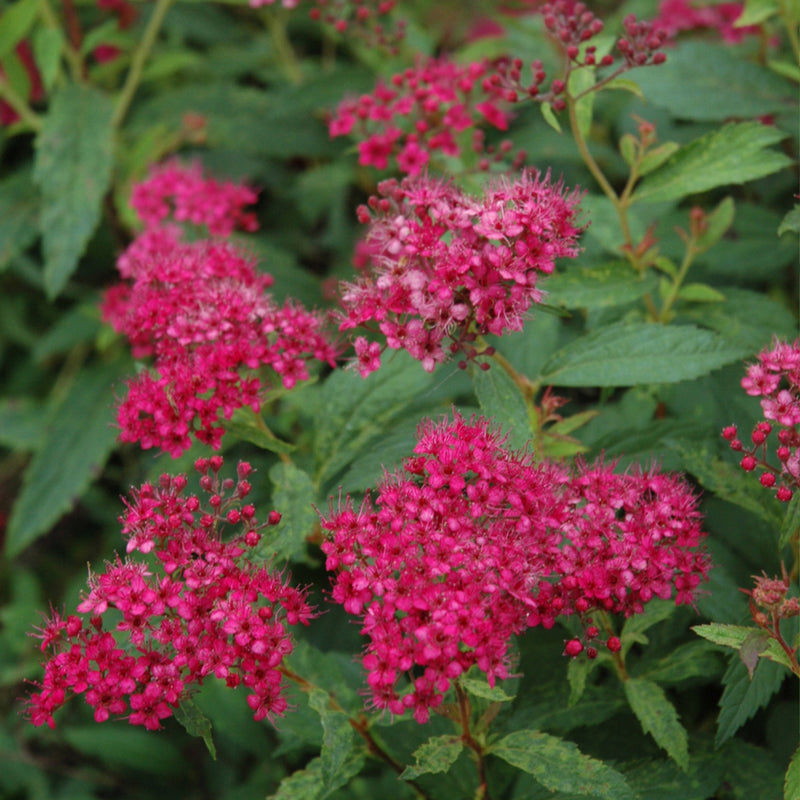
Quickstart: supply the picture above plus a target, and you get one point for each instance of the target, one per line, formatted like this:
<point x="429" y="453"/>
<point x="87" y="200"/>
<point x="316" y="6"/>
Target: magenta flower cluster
<point x="203" y="313"/>
<point x="470" y="543"/>
<point x="205" y="610"/>
<point x="676" y="16"/>
<point x="445" y="265"/>
<point x="775" y="378"/>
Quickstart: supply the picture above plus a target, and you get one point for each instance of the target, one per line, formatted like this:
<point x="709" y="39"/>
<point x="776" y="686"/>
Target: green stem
<point x="669" y="301"/>
<point x="72" y="56"/>
<point x="25" y="112"/>
<point x="617" y="658"/>
<point x="275" y="20"/>
<point x="469" y="741"/>
<point x="791" y="31"/>
<point x="139" y="59"/>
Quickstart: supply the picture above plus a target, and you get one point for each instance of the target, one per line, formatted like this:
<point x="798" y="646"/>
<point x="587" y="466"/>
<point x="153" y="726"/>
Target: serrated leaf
<point x="482" y="689"/>
<point x="712" y="82"/>
<point x="791" y="784"/>
<point x="736" y="153"/>
<point x="357" y="410"/>
<point x="625" y="85"/>
<point x="578" y="671"/>
<point x="753" y="645"/>
<point x="627" y="354"/>
<point x="791" y="522"/>
<point x="15" y="22"/>
<point x="657" y="156"/>
<point x="196" y="723"/>
<point x="791" y="222"/>
<point x="501" y="399"/>
<point x="307" y="783"/>
<point x="19" y="211"/>
<point x="601" y="286"/>
<point x="659" y="718"/>
<point x="656" y="611"/>
<point x="438" y="754"/>
<point x="736" y="636"/>
<point x="700" y="293"/>
<point x="80" y="439"/>
<point x="22" y="424"/>
<point x="717" y="224"/>
<point x="72" y="168"/>
<point x="293" y="497"/>
<point x="743" y="697"/>
<point x="698" y="659"/>
<point x="338" y="739"/>
<point x="560" y="766"/>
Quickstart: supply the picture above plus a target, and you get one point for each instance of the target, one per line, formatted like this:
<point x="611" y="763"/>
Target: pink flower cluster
<point x="202" y="312"/>
<point x="681" y="15"/>
<point x="470" y="543"/>
<point x="183" y="192"/>
<point x="207" y="611"/>
<point x="447" y="265"/>
<point x="420" y="113"/>
<point x="775" y="378"/>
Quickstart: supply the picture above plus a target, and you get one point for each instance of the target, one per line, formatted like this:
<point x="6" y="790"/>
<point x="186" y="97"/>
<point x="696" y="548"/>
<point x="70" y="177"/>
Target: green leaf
<point x="635" y="626"/>
<point x="501" y="399"/>
<point x="293" y="497"/>
<point x="73" y="171"/>
<point x="22" y="424"/>
<point x="19" y="213"/>
<point x="15" y="22"/>
<point x="791" y="785"/>
<point x="627" y="148"/>
<point x="737" y="636"/>
<point x="791" y="522"/>
<point x="687" y="661"/>
<point x="791" y="222"/>
<point x="713" y="82"/>
<point x="605" y="285"/>
<point x="338" y="740"/>
<point x="627" y="354"/>
<point x="580" y="81"/>
<point x="625" y="85"/>
<point x="47" y="46"/>
<point x="479" y="688"/>
<point x="80" y="439"/>
<point x="550" y="116"/>
<point x="700" y="293"/>
<point x="247" y="425"/>
<point x="753" y="645"/>
<point x="356" y="410"/>
<point x="578" y="670"/>
<point x="657" y="156"/>
<point x="438" y="754"/>
<point x="663" y="780"/>
<point x="560" y="766"/>
<point x="303" y="784"/>
<point x="717" y="224"/>
<point x="196" y="723"/>
<point x="756" y="11"/>
<point x="736" y="153"/>
<point x="786" y="69"/>
<point x="743" y="697"/>
<point x="659" y="718"/>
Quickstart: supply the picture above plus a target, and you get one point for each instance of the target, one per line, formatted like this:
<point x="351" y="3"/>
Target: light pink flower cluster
<point x="202" y="312"/>
<point x="206" y="611"/>
<point x="447" y="265"/>
<point x="470" y="543"/>
<point x="680" y="15"/>
<point x="186" y="194"/>
<point x="775" y="378"/>
<point x="422" y="111"/>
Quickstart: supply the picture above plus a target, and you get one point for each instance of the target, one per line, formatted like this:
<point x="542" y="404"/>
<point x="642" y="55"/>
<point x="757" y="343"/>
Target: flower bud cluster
<point x="447" y="265"/>
<point x="203" y="313"/>
<point x="470" y="543"/>
<point x="775" y="378"/>
<point x="147" y="635"/>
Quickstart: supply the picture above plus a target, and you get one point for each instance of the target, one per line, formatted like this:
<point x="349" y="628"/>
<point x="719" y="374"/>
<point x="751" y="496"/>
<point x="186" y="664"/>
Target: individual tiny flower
<point x="447" y="267"/>
<point x="775" y="378"/>
<point x="145" y="635"/>
<point x="470" y="543"/>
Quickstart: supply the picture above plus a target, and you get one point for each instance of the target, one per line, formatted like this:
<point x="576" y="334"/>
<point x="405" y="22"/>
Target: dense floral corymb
<point x="203" y="313"/>
<point x="145" y="636"/>
<point x="775" y="378"/>
<point x="470" y="543"/>
<point x="445" y="265"/>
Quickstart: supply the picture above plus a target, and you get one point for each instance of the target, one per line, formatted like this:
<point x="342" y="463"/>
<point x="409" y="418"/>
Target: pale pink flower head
<point x="447" y="267"/>
<point x="200" y="609"/>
